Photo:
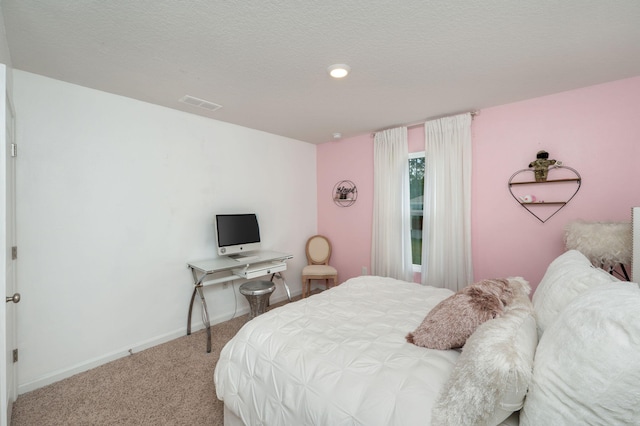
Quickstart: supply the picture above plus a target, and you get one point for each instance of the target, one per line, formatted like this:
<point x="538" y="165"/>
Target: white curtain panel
<point x="446" y="233"/>
<point x="391" y="234"/>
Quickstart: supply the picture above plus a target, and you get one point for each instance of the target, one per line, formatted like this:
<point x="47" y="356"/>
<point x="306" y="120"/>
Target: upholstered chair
<point x="318" y="255"/>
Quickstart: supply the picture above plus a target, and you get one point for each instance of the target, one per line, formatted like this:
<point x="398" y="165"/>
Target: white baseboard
<point x="56" y="376"/>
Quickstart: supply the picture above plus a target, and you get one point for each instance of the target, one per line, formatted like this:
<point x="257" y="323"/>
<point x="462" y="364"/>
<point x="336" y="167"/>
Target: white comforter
<point x="337" y="358"/>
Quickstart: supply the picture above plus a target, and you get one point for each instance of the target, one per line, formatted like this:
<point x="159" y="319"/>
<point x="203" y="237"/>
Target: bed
<point x="341" y="357"/>
<point x="338" y="357"/>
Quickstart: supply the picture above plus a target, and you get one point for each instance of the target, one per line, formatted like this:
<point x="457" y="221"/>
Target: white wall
<point x="114" y="197"/>
<point x="5" y="57"/>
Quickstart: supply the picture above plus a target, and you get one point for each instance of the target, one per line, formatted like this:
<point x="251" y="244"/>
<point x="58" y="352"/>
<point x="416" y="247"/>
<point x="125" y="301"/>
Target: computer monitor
<point x="237" y="233"/>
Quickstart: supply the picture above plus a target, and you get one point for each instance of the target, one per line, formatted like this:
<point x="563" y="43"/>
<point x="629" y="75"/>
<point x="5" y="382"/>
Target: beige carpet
<point x="169" y="384"/>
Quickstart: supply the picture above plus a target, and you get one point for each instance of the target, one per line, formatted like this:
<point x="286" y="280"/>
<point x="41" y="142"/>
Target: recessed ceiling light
<point x="339" y="70"/>
<point x="337" y="135"/>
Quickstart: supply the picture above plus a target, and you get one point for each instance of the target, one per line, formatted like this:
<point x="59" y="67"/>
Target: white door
<point x="8" y="382"/>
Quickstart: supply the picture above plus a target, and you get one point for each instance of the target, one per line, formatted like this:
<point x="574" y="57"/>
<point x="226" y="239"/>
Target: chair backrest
<point x="318" y="250"/>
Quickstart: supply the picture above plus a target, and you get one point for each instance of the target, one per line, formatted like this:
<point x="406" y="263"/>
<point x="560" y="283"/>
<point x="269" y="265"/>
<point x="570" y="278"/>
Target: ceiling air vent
<point x="200" y="103"/>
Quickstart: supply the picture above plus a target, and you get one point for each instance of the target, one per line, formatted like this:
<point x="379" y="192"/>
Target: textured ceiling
<point x="265" y="61"/>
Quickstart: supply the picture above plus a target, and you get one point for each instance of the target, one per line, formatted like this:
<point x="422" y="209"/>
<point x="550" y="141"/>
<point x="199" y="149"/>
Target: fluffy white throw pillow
<point x="569" y="275"/>
<point x="491" y="376"/>
<point x="587" y="365"/>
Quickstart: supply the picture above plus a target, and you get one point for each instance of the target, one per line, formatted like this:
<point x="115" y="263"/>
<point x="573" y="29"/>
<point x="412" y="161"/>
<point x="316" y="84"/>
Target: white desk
<point x="261" y="263"/>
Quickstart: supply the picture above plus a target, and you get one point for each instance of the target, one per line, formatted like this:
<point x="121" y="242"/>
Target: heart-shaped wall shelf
<point x="546" y="198"/>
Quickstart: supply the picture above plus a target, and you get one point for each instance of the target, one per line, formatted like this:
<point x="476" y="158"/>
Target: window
<point x="416" y="195"/>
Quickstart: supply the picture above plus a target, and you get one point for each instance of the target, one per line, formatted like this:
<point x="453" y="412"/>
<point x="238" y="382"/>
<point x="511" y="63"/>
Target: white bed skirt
<point x="230" y="419"/>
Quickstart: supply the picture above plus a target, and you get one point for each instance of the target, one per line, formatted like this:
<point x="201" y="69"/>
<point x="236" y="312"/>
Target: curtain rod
<point x="420" y="123"/>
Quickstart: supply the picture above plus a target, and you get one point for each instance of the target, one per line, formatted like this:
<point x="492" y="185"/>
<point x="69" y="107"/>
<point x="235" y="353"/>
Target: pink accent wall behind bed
<point x="595" y="130"/>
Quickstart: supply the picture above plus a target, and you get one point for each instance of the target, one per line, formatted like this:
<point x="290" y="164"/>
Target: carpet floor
<point x="168" y="384"/>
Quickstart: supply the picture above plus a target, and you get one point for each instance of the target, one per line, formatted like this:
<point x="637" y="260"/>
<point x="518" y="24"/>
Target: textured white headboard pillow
<point x="569" y="275"/>
<point x="587" y="365"/>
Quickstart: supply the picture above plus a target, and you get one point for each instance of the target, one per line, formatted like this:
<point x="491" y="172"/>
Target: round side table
<point x="257" y="293"/>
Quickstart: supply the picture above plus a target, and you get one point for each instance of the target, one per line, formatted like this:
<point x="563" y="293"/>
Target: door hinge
<point x="14" y="150"/>
<point x="15" y="355"/>
<point x="14" y="253"/>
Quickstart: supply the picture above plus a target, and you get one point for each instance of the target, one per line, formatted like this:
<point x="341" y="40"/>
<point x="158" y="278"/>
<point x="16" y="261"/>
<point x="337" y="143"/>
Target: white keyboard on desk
<point x="260" y="269"/>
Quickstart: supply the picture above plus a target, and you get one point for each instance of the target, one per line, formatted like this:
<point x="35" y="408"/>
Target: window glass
<point x="416" y="190"/>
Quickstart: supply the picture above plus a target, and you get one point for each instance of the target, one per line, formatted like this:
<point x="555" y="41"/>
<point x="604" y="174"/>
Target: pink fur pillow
<point x="452" y="321"/>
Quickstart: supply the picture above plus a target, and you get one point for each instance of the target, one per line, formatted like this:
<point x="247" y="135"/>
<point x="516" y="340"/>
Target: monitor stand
<point x="244" y="257"/>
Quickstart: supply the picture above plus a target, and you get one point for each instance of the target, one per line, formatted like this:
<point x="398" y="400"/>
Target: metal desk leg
<point x="286" y="287"/>
<point x="196" y="282"/>
<point x="205" y="317"/>
<point x="193" y="296"/>
<point x="205" y="313"/>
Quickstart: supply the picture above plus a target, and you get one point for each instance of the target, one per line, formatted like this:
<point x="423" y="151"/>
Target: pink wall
<point x="595" y="130"/>
<point x="348" y="228"/>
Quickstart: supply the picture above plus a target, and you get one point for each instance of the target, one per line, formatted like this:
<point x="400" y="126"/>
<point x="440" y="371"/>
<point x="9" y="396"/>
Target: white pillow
<point x="587" y="364"/>
<point x="490" y="378"/>
<point x="567" y="276"/>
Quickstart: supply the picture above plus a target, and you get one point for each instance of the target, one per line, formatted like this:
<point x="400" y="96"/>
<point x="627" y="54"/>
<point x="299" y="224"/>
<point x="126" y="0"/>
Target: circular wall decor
<point x="345" y="193"/>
